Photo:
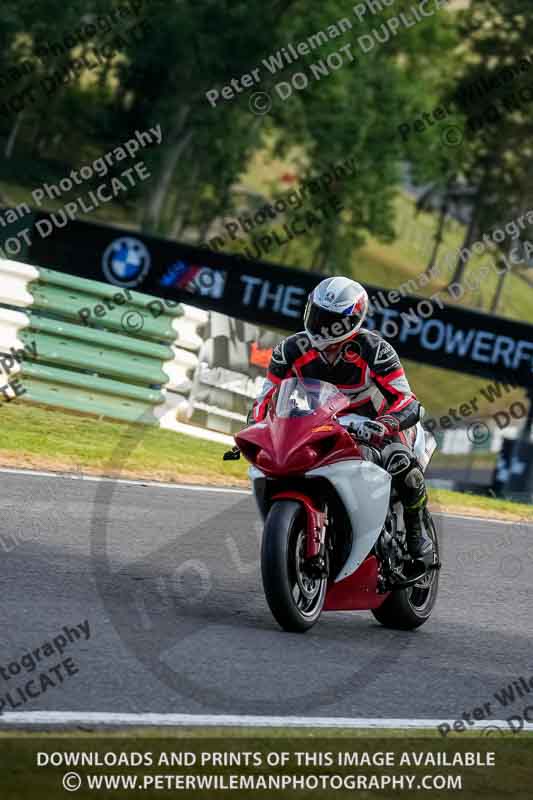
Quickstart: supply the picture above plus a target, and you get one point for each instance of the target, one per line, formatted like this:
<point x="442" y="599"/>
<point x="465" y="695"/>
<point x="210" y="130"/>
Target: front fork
<point x="315" y="550"/>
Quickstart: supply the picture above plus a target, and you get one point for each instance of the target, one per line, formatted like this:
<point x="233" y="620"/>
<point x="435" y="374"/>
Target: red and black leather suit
<point x="368" y="370"/>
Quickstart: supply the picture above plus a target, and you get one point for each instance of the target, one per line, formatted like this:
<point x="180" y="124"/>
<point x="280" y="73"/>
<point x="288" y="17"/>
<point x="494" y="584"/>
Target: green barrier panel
<point x="88" y="402"/>
<point x="103" y="290"/>
<point x="67" y="303"/>
<point x="100" y="360"/>
<point x="483" y="446"/>
<point x="101" y="338"/>
<point x="48" y="374"/>
<point x="107" y="367"/>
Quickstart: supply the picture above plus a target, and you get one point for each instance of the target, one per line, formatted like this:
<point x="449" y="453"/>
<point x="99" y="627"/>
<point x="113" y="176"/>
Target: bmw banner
<point x="421" y="329"/>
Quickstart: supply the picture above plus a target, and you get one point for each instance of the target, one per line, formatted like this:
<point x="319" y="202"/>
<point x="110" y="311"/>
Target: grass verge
<point x="36" y="437"/>
<point x="479" y="506"/>
<point x="246" y="732"/>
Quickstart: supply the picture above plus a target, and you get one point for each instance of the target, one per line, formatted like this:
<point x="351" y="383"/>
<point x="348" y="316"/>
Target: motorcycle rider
<point x="336" y="348"/>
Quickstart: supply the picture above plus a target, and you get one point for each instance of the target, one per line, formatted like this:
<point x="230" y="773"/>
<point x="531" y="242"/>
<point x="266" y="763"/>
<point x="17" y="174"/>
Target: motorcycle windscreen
<point x="298" y="397"/>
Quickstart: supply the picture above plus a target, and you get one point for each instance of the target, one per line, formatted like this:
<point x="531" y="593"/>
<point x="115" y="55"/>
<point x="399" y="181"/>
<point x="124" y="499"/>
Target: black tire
<point x="409" y="608"/>
<point x="283" y="535"/>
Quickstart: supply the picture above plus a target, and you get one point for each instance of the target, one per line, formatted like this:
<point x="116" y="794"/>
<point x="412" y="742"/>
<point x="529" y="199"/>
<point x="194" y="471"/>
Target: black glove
<point x="369" y="431"/>
<point x="232" y="455"/>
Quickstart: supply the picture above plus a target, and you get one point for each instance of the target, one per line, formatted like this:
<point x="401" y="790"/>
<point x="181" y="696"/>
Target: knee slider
<point x="414" y="478"/>
<point x="397" y="461"/>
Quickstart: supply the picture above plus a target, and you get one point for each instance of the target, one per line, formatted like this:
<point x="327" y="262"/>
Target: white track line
<point x="467" y="517"/>
<point x="191" y="487"/>
<point x="63" y="718"/>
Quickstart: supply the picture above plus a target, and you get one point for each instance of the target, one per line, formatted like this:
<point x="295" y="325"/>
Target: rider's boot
<point x="419" y="543"/>
<point x="414" y="499"/>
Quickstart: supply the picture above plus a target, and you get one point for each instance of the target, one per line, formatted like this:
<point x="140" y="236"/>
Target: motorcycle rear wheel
<point x="295" y="599"/>
<point x="409" y="608"/>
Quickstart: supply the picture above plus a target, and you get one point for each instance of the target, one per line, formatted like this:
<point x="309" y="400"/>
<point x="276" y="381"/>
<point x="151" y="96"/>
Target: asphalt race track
<point x="168" y="580"/>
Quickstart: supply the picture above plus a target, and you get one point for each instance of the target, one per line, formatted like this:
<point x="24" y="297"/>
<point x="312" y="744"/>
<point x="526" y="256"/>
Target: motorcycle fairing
<point x="364" y="488"/>
<point x="258" y="480"/>
<point x="358" y="591"/>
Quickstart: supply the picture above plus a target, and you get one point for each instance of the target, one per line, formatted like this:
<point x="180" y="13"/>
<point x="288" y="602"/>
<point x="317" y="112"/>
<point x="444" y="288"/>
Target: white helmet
<point x="335" y="311"/>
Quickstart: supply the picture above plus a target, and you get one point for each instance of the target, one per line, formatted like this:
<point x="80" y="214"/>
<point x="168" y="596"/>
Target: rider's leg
<point x="408" y="480"/>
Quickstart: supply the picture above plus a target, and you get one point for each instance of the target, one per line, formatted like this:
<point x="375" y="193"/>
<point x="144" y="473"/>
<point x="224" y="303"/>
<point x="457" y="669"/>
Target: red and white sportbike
<point x="333" y="538"/>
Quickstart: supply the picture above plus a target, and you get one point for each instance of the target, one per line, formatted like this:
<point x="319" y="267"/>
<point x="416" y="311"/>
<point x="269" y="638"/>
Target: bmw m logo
<point x="126" y="262"/>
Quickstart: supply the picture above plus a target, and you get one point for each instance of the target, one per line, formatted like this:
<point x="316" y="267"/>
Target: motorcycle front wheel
<point x="294" y="598"/>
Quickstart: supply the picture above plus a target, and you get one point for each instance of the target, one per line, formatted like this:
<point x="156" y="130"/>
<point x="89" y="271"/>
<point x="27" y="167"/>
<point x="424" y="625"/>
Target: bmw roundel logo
<point x="126" y="261"/>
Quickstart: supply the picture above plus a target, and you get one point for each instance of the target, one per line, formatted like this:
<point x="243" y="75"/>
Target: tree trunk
<point x="438" y="239"/>
<point x="322" y="261"/>
<point x="469" y="239"/>
<point x="499" y="288"/>
<point x="12" y="138"/>
<point x="498" y="293"/>
<point x="163" y="182"/>
<point x="203" y="231"/>
<point x="183" y="210"/>
<point x="179" y="140"/>
<point x="471" y="232"/>
<point x="439" y="235"/>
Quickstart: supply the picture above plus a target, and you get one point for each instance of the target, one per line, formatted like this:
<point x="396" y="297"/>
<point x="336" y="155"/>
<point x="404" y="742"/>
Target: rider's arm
<point x="387" y="372"/>
<point x="278" y="370"/>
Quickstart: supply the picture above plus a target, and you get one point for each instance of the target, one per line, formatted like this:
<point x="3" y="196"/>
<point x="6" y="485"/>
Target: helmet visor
<point x="330" y="324"/>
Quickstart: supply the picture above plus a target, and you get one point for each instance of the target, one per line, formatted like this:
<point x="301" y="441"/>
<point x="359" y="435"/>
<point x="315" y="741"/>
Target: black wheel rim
<point x="307" y="593"/>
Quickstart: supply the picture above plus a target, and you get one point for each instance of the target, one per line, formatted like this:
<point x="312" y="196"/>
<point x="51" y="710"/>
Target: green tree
<point x="499" y="118"/>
